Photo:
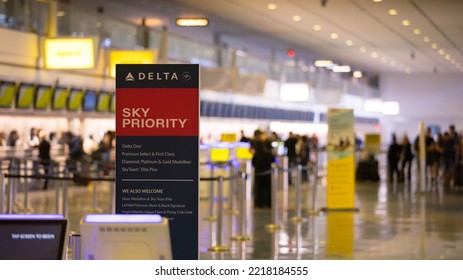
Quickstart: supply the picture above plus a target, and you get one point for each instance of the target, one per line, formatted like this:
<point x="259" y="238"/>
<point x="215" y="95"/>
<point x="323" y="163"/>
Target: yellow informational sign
<point x="341" y="160"/>
<point x="131" y="57"/>
<point x="373" y="143"/>
<point x="69" y="53"/>
<point x="219" y="154"/>
<point x="341" y="183"/>
<point x="228" y="137"/>
<point x="340" y="234"/>
<point x="243" y="153"/>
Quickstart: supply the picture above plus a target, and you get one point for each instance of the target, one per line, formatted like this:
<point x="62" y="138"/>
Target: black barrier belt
<point x="236" y="176"/>
<point x="56" y="178"/>
<point x="280" y="169"/>
<point x="106" y="179"/>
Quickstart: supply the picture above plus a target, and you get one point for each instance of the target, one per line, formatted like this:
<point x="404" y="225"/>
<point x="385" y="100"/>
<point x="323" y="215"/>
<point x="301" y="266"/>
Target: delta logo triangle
<point x="129" y="77"/>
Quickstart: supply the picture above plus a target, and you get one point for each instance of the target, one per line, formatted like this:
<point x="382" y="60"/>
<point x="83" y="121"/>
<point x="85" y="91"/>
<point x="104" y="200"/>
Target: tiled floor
<point x="393" y="221"/>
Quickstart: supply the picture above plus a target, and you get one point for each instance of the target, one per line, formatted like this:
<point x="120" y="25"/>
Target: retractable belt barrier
<point x="241" y="189"/>
<point x="57" y="173"/>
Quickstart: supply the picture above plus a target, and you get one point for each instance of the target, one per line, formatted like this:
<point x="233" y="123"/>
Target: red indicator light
<point x="291" y="53"/>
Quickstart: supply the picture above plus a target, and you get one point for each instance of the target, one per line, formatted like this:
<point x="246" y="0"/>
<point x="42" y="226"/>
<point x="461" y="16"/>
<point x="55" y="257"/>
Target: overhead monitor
<point x="103" y="102"/>
<point x="32" y="237"/>
<point x="43" y="97"/>
<point x="60" y="98"/>
<point x="125" y="237"/>
<point x="75" y="99"/>
<point x="7" y="94"/>
<point x="25" y="96"/>
<point x="89" y="101"/>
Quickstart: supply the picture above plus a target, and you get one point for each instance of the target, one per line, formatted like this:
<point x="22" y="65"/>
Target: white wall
<point x="432" y="98"/>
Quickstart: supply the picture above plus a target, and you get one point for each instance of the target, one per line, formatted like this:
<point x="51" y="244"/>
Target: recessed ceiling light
<point x="416" y="31"/>
<point x="392" y="12"/>
<point x="434" y="46"/>
<point x="441" y="52"/>
<point x="426" y="39"/>
<point x="377" y="1"/>
<point x="341" y="69"/>
<point x="447" y="57"/>
<point x="349" y="43"/>
<point x="297" y="18"/>
<point x="323" y="63"/>
<point x="357" y="74"/>
<point x="272" y="6"/>
<point x="317" y="27"/>
<point x="374" y="55"/>
<point x="405" y="22"/>
<point x="363" y="50"/>
<point x="191" y="22"/>
<point x="334" y="36"/>
<point x="393" y="63"/>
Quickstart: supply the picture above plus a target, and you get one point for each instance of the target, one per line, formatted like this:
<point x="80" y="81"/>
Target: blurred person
<point x="262" y="161"/>
<point x="457" y="172"/>
<point x="2" y="139"/>
<point x="448" y="158"/>
<point x="406" y="159"/>
<point x="244" y="138"/>
<point x="13" y="138"/>
<point x="304" y="152"/>
<point x="75" y="156"/>
<point x="290" y="145"/>
<point x="393" y="158"/>
<point x="89" y="145"/>
<point x="34" y="140"/>
<point x="102" y="153"/>
<point x="45" y="157"/>
<point x="430" y="155"/>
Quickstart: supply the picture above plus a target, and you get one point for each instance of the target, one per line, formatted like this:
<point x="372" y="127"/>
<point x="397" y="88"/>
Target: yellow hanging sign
<point x="69" y="53"/>
<point x="131" y="57"/>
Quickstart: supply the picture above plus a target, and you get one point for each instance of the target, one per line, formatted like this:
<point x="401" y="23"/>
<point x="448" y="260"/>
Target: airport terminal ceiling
<point x="376" y="36"/>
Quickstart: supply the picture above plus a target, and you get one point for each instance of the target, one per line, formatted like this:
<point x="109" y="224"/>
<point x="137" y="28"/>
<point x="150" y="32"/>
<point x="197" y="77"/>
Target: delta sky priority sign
<point x="157" y="148"/>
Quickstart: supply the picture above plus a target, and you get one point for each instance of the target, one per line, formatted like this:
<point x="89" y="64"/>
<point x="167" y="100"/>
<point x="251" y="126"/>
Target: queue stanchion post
<point x="242" y="222"/>
<point x="16" y="170"/>
<point x="65" y="199"/>
<point x="26" y="186"/>
<point x="298" y="217"/>
<point x="113" y="198"/>
<point x="212" y="216"/>
<point x="285" y="181"/>
<point x="76" y="246"/>
<point x="11" y="186"/>
<point x="232" y="191"/>
<point x="219" y="247"/>
<point x="95" y="190"/>
<point x="58" y="188"/>
<point x="248" y="196"/>
<point x="315" y="180"/>
<point x="2" y="192"/>
<point x="274" y="193"/>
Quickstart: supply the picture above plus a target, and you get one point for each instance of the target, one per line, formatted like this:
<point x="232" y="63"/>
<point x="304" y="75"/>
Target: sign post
<point x="157" y="148"/>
